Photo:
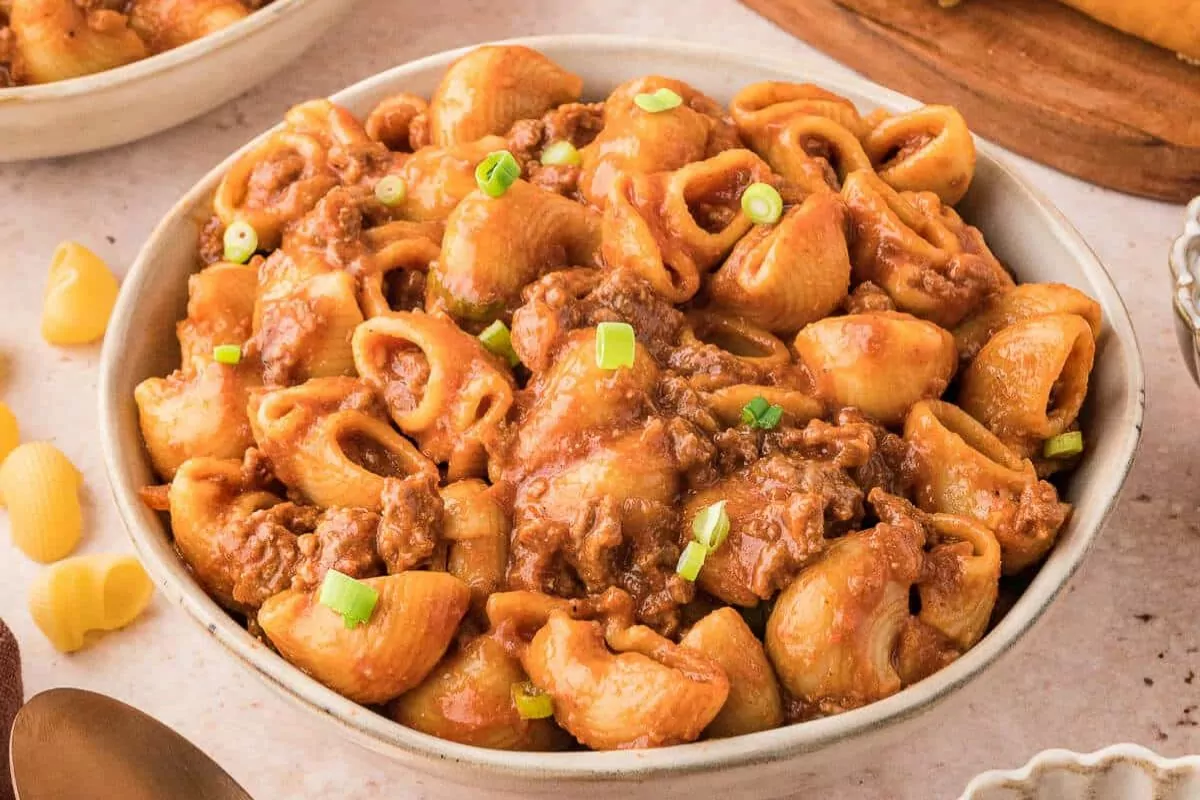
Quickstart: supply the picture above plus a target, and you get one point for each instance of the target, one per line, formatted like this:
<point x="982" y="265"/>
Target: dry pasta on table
<point x="539" y="421"/>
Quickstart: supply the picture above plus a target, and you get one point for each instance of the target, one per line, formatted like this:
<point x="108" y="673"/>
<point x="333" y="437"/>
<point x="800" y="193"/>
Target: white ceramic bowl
<point x="1120" y="772"/>
<point x="148" y="96"/>
<point x="1022" y="228"/>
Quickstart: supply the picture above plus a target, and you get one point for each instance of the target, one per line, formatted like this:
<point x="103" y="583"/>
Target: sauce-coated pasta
<point x="616" y="461"/>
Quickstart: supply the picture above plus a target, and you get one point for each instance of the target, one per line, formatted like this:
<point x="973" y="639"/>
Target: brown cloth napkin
<point x="11" y="697"/>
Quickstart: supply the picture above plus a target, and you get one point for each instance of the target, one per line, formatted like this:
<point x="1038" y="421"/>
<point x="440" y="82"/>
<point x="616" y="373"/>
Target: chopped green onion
<point x="227" y="354"/>
<point x="495" y="337"/>
<point x="561" y="153"/>
<point x="762" y="203"/>
<point x="615" y="345"/>
<point x="497" y="172"/>
<point x="391" y="190"/>
<point x="241" y="240"/>
<point x="354" y="600"/>
<point x="660" y="100"/>
<point x="758" y="413"/>
<point x="711" y="526"/>
<point x="691" y="560"/>
<point x="532" y="702"/>
<point x="1064" y="445"/>
<point x="754" y="409"/>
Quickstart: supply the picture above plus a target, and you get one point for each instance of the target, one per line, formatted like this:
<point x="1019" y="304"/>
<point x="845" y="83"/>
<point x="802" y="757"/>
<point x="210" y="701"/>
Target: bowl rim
<point x="153" y="65"/>
<point x="379" y="733"/>
<point x="1095" y="761"/>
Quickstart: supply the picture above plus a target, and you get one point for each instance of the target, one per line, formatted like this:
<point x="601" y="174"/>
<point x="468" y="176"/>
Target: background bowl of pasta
<point x="110" y="86"/>
<point x="1023" y="231"/>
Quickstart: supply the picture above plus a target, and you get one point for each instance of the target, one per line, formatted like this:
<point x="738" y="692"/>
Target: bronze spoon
<point x="70" y="744"/>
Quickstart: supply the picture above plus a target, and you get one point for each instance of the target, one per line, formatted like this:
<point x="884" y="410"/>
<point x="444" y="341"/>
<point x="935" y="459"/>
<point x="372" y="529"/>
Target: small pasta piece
<point x="80" y="295"/>
<point x="468" y="699"/>
<point x="391" y="121"/>
<point x="61" y="39"/>
<point x="765" y="106"/>
<point x="40" y="487"/>
<point x="494" y="246"/>
<point x="634" y="141"/>
<point x="727" y="403"/>
<point x="785" y="276"/>
<point x="624" y="689"/>
<point x="881" y="363"/>
<point x="927" y="150"/>
<point x="440" y="385"/>
<point x="165" y="24"/>
<point x="476" y="524"/>
<point x="413" y="623"/>
<point x="754" y="703"/>
<point x="438" y="178"/>
<point x="491" y="87"/>
<point x="88" y="593"/>
<point x="10" y="433"/>
<point x="1029" y="381"/>
<point x="919" y="251"/>
<point x="1025" y="301"/>
<point x="673" y="227"/>
<point x="814" y="152"/>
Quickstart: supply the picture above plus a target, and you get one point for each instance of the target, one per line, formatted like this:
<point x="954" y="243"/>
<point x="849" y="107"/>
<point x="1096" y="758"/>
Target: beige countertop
<point x="1113" y="661"/>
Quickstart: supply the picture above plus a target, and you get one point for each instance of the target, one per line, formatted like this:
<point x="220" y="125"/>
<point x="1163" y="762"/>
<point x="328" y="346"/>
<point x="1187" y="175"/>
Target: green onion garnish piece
<point x="762" y="203"/>
<point x="354" y="600"/>
<point x="227" y="354"/>
<point x="691" y="560"/>
<point x="497" y="172"/>
<point x="241" y="240"/>
<point x="615" y="345"/>
<point x="660" y="100"/>
<point x="561" y="153"/>
<point x="495" y="337"/>
<point x="1064" y="445"/>
<point x="711" y="526"/>
<point x="391" y="190"/>
<point x="758" y="413"/>
<point x="754" y="409"/>
<point x="532" y="702"/>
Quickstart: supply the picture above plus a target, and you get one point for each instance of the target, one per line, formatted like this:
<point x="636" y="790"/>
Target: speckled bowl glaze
<point x="148" y="96"/>
<point x="1022" y="228"/>
<point x="1120" y="772"/>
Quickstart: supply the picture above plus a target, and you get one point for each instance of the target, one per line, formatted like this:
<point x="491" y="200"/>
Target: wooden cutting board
<point x="1032" y="75"/>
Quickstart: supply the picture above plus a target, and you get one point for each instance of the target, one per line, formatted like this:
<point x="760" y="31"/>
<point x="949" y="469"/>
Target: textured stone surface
<point x="1112" y="661"/>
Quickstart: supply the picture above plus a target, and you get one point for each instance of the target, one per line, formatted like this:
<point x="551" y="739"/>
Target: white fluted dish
<point x="1022" y="228"/>
<point x="1119" y="772"/>
<point x="134" y="101"/>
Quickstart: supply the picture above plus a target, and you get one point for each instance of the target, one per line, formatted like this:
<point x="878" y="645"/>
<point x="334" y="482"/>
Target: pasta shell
<point x="88" y="593"/>
<point x="9" y="435"/>
<point x="1023" y="302"/>
<point x="166" y="24"/>
<point x="881" y="363"/>
<point x="927" y="150"/>
<point x="390" y="122"/>
<point x="490" y="88"/>
<point x="415" y="618"/>
<point x="754" y="703"/>
<point x="761" y="108"/>
<point x="40" y="486"/>
<point x="61" y="39"/>
<point x="80" y="295"/>
<point x="468" y="699"/>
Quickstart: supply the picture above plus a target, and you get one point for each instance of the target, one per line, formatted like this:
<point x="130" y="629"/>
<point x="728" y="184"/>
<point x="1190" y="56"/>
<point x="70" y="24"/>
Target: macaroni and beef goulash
<point x="529" y="421"/>
<point x="42" y="41"/>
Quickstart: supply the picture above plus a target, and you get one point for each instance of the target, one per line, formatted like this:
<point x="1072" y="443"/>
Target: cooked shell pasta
<point x="164" y="24"/>
<point x="1028" y="382"/>
<point x="787" y="275"/>
<point x="80" y="295"/>
<point x="88" y="593"/>
<point x="61" y="39"/>
<point x="412" y="625"/>
<point x="624" y="465"/>
<point x="882" y="362"/>
<point x="40" y="487"/>
<point x="490" y="88"/>
<point x="927" y="150"/>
